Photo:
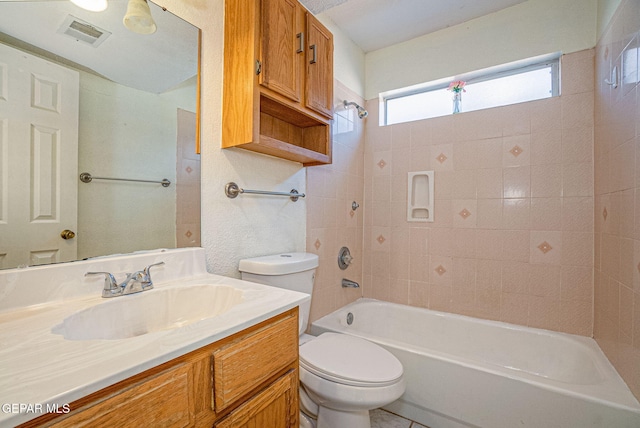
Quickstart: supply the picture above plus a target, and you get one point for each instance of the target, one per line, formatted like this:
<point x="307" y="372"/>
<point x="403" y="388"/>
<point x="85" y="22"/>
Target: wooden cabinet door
<point x="281" y="49"/>
<point x="319" y="68"/>
<point x="274" y="407"/>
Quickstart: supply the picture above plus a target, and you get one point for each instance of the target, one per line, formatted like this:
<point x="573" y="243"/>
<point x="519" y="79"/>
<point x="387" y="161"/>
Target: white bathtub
<point x="468" y="372"/>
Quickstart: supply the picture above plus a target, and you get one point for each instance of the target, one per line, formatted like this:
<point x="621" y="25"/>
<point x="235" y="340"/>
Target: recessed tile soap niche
<point x="420" y="196"/>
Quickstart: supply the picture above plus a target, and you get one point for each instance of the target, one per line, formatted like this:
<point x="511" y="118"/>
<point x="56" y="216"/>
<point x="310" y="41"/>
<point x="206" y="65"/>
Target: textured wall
<point x="513" y="233"/>
<point x="246" y="226"/>
<point x="617" y="189"/>
<point x="331" y="223"/>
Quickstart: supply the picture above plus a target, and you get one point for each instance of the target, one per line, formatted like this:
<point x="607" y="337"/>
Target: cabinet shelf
<point x="258" y="113"/>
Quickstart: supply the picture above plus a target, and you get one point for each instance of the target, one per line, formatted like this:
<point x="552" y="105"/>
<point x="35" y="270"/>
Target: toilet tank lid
<point x="279" y="264"/>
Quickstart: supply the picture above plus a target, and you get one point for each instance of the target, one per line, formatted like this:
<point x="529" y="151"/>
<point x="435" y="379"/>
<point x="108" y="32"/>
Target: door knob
<point x="67" y="234"/>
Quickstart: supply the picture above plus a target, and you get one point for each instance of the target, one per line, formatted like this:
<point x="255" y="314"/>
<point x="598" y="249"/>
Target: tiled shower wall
<point x="513" y="235"/>
<point x="331" y="221"/>
<point x="617" y="190"/>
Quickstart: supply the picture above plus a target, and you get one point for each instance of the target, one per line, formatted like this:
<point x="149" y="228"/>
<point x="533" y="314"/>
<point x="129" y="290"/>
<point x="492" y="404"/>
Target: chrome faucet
<point x="135" y="282"/>
<point x="349" y="283"/>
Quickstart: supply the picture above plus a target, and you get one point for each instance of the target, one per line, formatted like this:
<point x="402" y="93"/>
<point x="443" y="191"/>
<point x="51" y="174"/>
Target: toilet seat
<point x="350" y="360"/>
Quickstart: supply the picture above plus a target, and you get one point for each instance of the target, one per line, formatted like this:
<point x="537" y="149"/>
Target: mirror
<point x="80" y="93"/>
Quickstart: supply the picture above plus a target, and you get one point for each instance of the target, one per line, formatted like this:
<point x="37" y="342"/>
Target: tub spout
<point x="349" y="283"/>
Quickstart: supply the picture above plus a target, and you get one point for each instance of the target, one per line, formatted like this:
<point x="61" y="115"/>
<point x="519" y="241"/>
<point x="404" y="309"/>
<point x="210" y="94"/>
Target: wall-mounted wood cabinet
<point x="278" y="81"/>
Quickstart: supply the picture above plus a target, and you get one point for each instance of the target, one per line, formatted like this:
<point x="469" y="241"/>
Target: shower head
<point x="362" y="113"/>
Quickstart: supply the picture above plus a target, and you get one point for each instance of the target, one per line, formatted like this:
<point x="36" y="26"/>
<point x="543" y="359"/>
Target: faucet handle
<point x="147" y="274"/>
<point x="111" y="286"/>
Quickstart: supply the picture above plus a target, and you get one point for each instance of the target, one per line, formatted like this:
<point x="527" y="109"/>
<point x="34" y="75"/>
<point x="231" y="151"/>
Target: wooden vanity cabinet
<point x="246" y="380"/>
<point x="278" y="81"/>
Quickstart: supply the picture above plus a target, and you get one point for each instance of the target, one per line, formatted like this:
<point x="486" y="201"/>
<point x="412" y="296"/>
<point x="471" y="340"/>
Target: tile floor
<point x="383" y="419"/>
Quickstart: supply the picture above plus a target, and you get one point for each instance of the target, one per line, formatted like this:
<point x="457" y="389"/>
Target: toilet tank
<point x="292" y="271"/>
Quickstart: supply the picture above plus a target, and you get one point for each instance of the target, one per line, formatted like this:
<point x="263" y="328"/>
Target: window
<point x="518" y="82"/>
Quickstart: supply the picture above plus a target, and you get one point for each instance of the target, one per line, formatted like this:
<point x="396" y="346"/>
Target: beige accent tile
<point x="441" y="271"/>
<point x="546" y="213"/>
<point x="546" y="181"/>
<point x="465" y="213"/>
<point x="546" y="247"/>
<point x="516" y="150"/>
<point x="381" y="163"/>
<point x="442" y="157"/>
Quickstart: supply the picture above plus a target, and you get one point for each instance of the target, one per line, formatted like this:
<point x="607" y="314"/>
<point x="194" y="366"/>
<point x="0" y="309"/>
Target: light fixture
<point x="92" y="5"/>
<point x="138" y="17"/>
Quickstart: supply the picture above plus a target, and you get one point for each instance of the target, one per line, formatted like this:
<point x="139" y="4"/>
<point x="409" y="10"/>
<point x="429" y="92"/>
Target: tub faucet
<point x="348" y="283"/>
<point x="134" y="283"/>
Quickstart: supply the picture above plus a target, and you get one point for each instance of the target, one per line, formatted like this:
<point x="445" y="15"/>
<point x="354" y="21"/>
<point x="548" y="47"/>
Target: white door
<point x="38" y="159"/>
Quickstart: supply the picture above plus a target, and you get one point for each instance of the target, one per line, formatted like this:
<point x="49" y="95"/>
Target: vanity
<point x="234" y="366"/>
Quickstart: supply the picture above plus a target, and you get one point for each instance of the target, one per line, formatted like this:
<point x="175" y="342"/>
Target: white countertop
<point x="38" y="367"/>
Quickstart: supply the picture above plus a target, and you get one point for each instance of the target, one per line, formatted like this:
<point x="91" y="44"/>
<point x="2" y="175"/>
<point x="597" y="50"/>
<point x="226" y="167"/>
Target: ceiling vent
<point x="83" y="31"/>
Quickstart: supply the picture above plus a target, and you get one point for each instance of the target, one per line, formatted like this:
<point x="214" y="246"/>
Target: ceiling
<point x="375" y="24"/>
<point x="152" y="63"/>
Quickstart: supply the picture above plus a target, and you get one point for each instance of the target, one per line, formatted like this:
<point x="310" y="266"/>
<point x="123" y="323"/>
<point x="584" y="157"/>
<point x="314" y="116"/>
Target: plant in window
<point x="457" y="87"/>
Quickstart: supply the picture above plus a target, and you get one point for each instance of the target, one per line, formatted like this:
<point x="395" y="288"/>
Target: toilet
<point x="342" y="377"/>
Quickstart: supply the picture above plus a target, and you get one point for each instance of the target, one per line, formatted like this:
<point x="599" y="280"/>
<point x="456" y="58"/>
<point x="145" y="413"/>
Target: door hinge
<point x="258" y="67"/>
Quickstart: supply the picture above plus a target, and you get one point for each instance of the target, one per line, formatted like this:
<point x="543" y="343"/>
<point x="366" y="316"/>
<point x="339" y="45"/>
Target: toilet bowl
<point x="342" y="377"/>
<point x="346" y="377"/>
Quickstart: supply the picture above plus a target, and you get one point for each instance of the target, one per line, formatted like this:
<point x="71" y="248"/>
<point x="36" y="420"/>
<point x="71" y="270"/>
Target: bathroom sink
<point x="149" y="311"/>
